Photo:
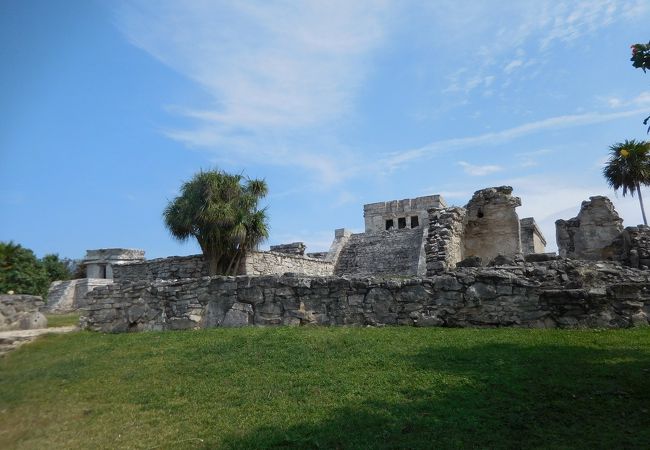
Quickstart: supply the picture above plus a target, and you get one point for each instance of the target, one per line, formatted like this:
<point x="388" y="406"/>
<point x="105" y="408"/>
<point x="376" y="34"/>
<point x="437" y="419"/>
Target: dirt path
<point x="11" y="340"/>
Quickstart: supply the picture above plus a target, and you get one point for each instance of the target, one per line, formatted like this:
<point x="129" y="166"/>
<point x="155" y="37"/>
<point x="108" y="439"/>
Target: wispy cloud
<point x="643" y="99"/>
<point x="268" y="68"/>
<point x="531" y="159"/>
<point x="398" y="159"/>
<point x="504" y="28"/>
<point x="512" y="65"/>
<point x="478" y="171"/>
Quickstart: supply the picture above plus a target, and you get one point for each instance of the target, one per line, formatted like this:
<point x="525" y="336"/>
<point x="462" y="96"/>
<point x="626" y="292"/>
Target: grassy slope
<point x="62" y="320"/>
<point x="329" y="388"/>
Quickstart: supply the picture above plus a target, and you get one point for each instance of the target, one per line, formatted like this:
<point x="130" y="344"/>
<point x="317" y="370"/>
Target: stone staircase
<point x="60" y="296"/>
<point x="386" y="253"/>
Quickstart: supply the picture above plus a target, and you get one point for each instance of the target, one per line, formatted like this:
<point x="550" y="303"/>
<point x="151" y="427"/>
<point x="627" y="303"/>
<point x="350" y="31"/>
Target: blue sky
<point x="106" y="107"/>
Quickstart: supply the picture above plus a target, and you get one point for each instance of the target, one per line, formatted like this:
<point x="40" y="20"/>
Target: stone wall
<point x="255" y="263"/>
<point x="636" y="246"/>
<point x="270" y="263"/>
<point x="590" y="235"/>
<point x="386" y="253"/>
<point x="492" y="224"/>
<point x="559" y="293"/>
<point x="444" y="247"/>
<point x="21" y="312"/>
<point x="174" y="267"/>
<point x="295" y="248"/>
<point x="70" y="295"/>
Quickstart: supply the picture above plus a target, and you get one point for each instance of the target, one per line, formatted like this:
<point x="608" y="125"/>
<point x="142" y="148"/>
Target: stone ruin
<point x="486" y="228"/>
<point x="597" y="234"/>
<point x="21" y="312"/>
<point x="418" y="262"/>
<point x="99" y="264"/>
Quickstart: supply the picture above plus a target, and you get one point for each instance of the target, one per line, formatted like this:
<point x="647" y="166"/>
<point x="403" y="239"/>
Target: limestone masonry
<point x="21" y="312"/>
<point x="418" y="262"/>
<point x="554" y="293"/>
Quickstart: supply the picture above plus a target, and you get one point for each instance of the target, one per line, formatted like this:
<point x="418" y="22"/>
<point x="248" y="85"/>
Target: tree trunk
<point x="231" y="264"/>
<point x="213" y="265"/>
<point x="638" y="189"/>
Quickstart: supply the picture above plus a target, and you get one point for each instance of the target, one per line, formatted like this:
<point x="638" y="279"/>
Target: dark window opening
<point x="102" y="271"/>
<point x="415" y="221"/>
<point x="480" y="213"/>
<point x="401" y="222"/>
<point x="389" y="224"/>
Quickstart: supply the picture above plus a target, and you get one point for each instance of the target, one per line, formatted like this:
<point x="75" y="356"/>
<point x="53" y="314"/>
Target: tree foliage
<point x="22" y="272"/>
<point x="57" y="268"/>
<point x="221" y="211"/>
<point x="641" y="56"/>
<point x="628" y="168"/>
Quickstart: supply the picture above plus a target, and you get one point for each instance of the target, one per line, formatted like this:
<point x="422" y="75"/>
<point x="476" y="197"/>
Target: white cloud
<point x="530" y="159"/>
<point x="477" y="171"/>
<point x="512" y="65"/>
<point x="641" y="100"/>
<point x="497" y="31"/>
<point x="398" y="159"/>
<point x="268" y="68"/>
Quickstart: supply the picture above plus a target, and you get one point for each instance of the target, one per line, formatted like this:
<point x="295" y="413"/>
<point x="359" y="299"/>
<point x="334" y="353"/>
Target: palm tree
<point x="221" y="213"/>
<point x="629" y="168"/>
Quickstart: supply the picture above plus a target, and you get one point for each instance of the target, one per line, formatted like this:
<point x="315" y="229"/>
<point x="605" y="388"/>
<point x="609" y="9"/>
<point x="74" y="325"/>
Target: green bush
<point x="23" y="273"/>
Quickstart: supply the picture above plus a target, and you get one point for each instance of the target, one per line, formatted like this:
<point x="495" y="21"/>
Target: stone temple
<point x="418" y="262"/>
<point x="411" y="237"/>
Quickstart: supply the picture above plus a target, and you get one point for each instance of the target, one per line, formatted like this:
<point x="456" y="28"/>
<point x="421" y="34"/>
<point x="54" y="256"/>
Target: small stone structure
<point x="487" y="227"/>
<point x="590" y="234"/>
<point x="553" y="293"/>
<point x="21" y="312"/>
<point x="400" y="214"/>
<point x="532" y="239"/>
<point x="100" y="263"/>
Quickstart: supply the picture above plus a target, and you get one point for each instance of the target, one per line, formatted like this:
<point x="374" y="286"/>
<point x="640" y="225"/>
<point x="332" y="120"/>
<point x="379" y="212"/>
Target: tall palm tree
<point x="220" y="211"/>
<point x="629" y="168"/>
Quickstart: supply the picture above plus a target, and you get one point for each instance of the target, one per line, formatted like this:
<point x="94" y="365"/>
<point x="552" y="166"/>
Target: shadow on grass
<point x="506" y="396"/>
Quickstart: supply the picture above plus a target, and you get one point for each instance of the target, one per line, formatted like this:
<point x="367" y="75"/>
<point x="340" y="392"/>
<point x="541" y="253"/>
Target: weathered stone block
<point x="239" y="315"/>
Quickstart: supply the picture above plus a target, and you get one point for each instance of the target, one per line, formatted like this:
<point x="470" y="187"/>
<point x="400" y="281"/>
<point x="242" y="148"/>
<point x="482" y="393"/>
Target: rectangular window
<point x="415" y="221"/>
<point x="389" y="224"/>
<point x="401" y="222"/>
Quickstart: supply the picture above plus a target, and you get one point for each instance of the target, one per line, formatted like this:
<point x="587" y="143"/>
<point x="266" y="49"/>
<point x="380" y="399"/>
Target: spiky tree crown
<point x="221" y="211"/>
<point x="628" y="166"/>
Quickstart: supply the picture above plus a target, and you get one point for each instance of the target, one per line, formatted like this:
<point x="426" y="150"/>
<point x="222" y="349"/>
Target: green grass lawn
<point x="329" y="388"/>
<point x="62" y="320"/>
